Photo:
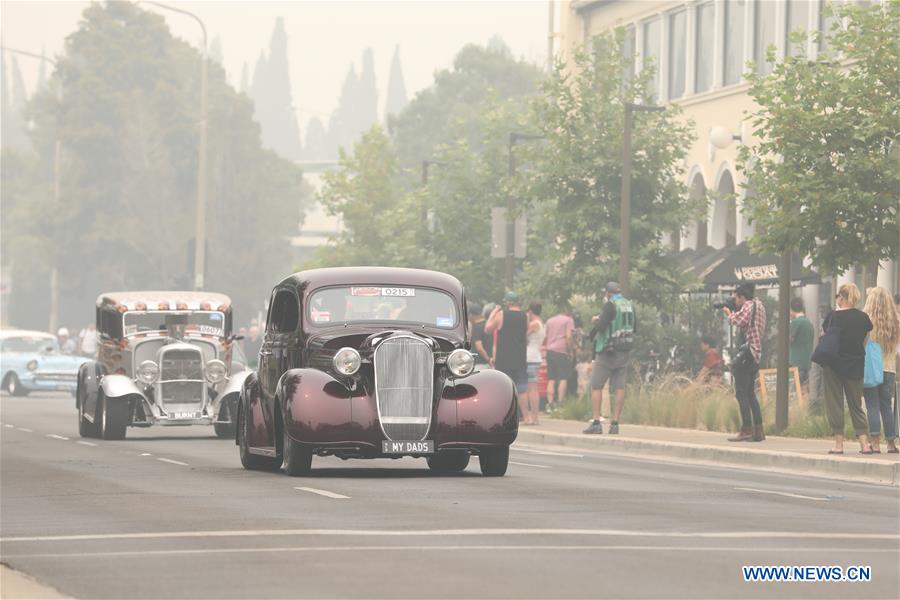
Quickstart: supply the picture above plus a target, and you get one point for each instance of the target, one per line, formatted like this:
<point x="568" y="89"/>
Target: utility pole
<point x="200" y="218"/>
<point x="511" y="206"/>
<point x="53" y="320"/>
<point x="784" y="341"/>
<point x="625" y="200"/>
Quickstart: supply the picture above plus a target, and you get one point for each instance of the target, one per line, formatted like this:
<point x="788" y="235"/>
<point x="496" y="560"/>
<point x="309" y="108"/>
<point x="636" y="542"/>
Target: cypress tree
<point x="396" y="91"/>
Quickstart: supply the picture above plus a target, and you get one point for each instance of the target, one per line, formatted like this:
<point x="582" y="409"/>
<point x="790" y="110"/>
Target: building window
<point x="677" y="53"/>
<point x="733" y="59"/>
<point x="652" y="30"/>
<point x="765" y="34"/>
<point x="797" y="20"/>
<point x="628" y="54"/>
<point x="703" y="57"/>
<point x="826" y="21"/>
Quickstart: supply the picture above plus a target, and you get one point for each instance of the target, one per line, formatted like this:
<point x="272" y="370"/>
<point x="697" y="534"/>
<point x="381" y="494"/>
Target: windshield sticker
<point x="131" y="329"/>
<point x="321" y="316"/>
<point x="444" y="322"/>
<point x="365" y="291"/>
<point x="398" y="292"/>
<point x="215" y="317"/>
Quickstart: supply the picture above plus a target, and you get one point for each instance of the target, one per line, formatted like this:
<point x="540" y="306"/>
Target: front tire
<point x="448" y="462"/>
<point x="224" y="430"/>
<point x="251" y="462"/>
<point x="86" y="428"/>
<point x="13" y="387"/>
<point x="114" y="418"/>
<point x="297" y="458"/>
<point x="493" y="461"/>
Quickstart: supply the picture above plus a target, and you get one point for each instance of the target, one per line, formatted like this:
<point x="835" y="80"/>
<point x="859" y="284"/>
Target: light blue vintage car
<point x="31" y="361"/>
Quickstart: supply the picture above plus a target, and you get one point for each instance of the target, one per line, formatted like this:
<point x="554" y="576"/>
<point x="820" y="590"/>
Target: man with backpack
<point x="613" y="338"/>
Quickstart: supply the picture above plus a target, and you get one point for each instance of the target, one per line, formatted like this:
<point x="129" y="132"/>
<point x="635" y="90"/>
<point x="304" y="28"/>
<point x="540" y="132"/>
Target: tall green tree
<point x="574" y="185"/>
<point x="396" y="98"/>
<point x="825" y="176"/>
<point x="123" y="100"/>
<point x="13" y="104"/>
<point x="272" y="97"/>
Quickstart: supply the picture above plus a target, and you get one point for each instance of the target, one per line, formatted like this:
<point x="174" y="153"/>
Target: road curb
<point x="849" y="468"/>
<point x="19" y="586"/>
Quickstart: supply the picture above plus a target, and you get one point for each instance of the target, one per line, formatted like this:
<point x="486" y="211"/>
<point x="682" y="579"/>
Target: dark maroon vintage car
<point x="372" y="362"/>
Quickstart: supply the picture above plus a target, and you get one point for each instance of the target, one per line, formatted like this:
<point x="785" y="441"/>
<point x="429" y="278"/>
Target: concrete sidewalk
<point x="785" y="454"/>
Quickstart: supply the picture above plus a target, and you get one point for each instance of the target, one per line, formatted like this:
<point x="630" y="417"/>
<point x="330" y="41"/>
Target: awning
<point x="723" y="269"/>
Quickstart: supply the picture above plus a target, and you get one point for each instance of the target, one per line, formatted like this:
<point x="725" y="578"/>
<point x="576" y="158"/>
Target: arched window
<point x="698" y="191"/>
<point x="724" y="223"/>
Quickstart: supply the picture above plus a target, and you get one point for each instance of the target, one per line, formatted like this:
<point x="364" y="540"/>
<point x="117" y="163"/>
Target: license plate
<point x="422" y="447"/>
<point x="185" y="415"/>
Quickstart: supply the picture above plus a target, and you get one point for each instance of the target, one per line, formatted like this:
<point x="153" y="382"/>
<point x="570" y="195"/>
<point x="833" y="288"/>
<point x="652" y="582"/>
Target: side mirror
<point x="236" y="337"/>
<point x="47" y="350"/>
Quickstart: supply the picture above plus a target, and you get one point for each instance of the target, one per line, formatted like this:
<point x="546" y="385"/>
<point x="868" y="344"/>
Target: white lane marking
<point x="57" y="437"/>
<point x="7" y="425"/>
<point x="529" y="465"/>
<point x="325" y="493"/>
<point x="146" y="454"/>
<point x="25" y="429"/>
<point x="486" y="548"/>
<point x="547" y="452"/>
<point x="740" y="535"/>
<point x="174" y="462"/>
<point x="785" y="494"/>
<point x="84" y="443"/>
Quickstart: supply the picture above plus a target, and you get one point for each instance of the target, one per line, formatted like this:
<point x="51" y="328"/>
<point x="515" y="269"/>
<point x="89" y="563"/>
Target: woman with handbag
<point x="842" y="353"/>
<point x="750" y="319"/>
<point x="886" y="334"/>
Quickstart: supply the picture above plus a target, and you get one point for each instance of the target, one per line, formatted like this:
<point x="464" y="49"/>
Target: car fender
<point x="119" y="386"/>
<point x="486" y="404"/>
<point x="314" y="402"/>
<point x="88" y="383"/>
<point x="250" y="406"/>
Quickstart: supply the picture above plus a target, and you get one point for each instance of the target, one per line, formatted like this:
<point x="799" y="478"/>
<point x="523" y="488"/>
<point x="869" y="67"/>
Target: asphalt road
<point x="169" y="512"/>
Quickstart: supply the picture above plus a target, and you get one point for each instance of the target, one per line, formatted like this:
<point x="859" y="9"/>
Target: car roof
<point x="316" y="278"/>
<point x="152" y="299"/>
<point x="14" y="333"/>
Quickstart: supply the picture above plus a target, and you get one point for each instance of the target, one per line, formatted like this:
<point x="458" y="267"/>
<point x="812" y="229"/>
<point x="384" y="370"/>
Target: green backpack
<point x="619" y="337"/>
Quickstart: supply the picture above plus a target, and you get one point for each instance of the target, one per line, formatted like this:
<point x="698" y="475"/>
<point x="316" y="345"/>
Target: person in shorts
<point x="613" y="336"/>
<point x="509" y="325"/>
<point x="559" y="347"/>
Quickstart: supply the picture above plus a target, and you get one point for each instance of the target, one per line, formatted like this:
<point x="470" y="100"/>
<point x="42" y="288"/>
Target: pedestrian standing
<point x="801" y="333"/>
<point x="534" y="358"/>
<point x="560" y="349"/>
<point x="484" y="342"/>
<point x="844" y="377"/>
<point x="885" y="331"/>
<point x="510" y="324"/>
<point x="713" y="365"/>
<point x="477" y="322"/>
<point x="613" y="338"/>
<point x="750" y="319"/>
<point x="87" y="340"/>
<point x="66" y="344"/>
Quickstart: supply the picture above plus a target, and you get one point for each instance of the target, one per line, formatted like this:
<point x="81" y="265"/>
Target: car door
<point x="278" y="348"/>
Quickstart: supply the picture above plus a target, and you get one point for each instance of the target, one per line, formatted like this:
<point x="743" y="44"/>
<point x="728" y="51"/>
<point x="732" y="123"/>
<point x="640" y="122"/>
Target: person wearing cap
<point x="66" y="344"/>
<point x="509" y="325"/>
<point x="613" y="337"/>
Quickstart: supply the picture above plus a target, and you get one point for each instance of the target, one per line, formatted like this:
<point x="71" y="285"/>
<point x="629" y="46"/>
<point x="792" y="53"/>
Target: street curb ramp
<point x="849" y="468"/>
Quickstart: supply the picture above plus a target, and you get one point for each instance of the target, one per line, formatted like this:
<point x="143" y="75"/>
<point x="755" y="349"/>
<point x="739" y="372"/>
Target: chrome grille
<point x="404" y="387"/>
<point x="181" y="377"/>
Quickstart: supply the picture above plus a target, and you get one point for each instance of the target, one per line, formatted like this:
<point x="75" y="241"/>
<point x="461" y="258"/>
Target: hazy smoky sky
<point x="324" y="37"/>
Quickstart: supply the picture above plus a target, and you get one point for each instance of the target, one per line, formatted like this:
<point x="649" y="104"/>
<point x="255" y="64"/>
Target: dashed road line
<point x="325" y="493"/>
<point x="146" y="454"/>
<point x="8" y="426"/>
<point x="547" y="452"/>
<point x="57" y="437"/>
<point x="84" y="443"/>
<point x="25" y="429"/>
<point x="173" y="462"/>
<point x="785" y="494"/>
<point x="529" y="465"/>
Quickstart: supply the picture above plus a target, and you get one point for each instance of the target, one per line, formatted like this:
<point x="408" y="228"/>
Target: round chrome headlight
<point x="32" y="365"/>
<point x="460" y="362"/>
<point x="346" y="361"/>
<point x="216" y="371"/>
<point x="148" y="372"/>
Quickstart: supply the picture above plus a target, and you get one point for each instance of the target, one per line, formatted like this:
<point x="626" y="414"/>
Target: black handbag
<point x="826" y="352"/>
<point x="743" y="355"/>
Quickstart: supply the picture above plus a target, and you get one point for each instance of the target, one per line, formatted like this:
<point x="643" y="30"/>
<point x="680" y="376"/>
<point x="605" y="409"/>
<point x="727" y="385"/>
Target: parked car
<point x="372" y="362"/>
<point x="164" y="358"/>
<point x="31" y="361"/>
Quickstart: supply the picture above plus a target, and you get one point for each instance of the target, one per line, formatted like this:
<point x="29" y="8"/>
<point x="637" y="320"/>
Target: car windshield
<point x="209" y="323"/>
<point x="30" y="344"/>
<point x="352" y="304"/>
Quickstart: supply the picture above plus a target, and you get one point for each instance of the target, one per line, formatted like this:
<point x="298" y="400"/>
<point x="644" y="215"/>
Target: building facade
<point x="700" y="49"/>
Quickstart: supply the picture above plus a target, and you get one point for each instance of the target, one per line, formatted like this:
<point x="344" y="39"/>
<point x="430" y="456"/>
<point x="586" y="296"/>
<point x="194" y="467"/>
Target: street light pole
<point x="200" y="223"/>
<point x="53" y="320"/>
<point x="625" y="200"/>
<point x="511" y="206"/>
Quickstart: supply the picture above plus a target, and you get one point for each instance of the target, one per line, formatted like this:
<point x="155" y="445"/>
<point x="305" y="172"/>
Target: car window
<point x="382" y="303"/>
<point x="29" y="344"/>
<point x="285" y="313"/>
<point x="208" y="323"/>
